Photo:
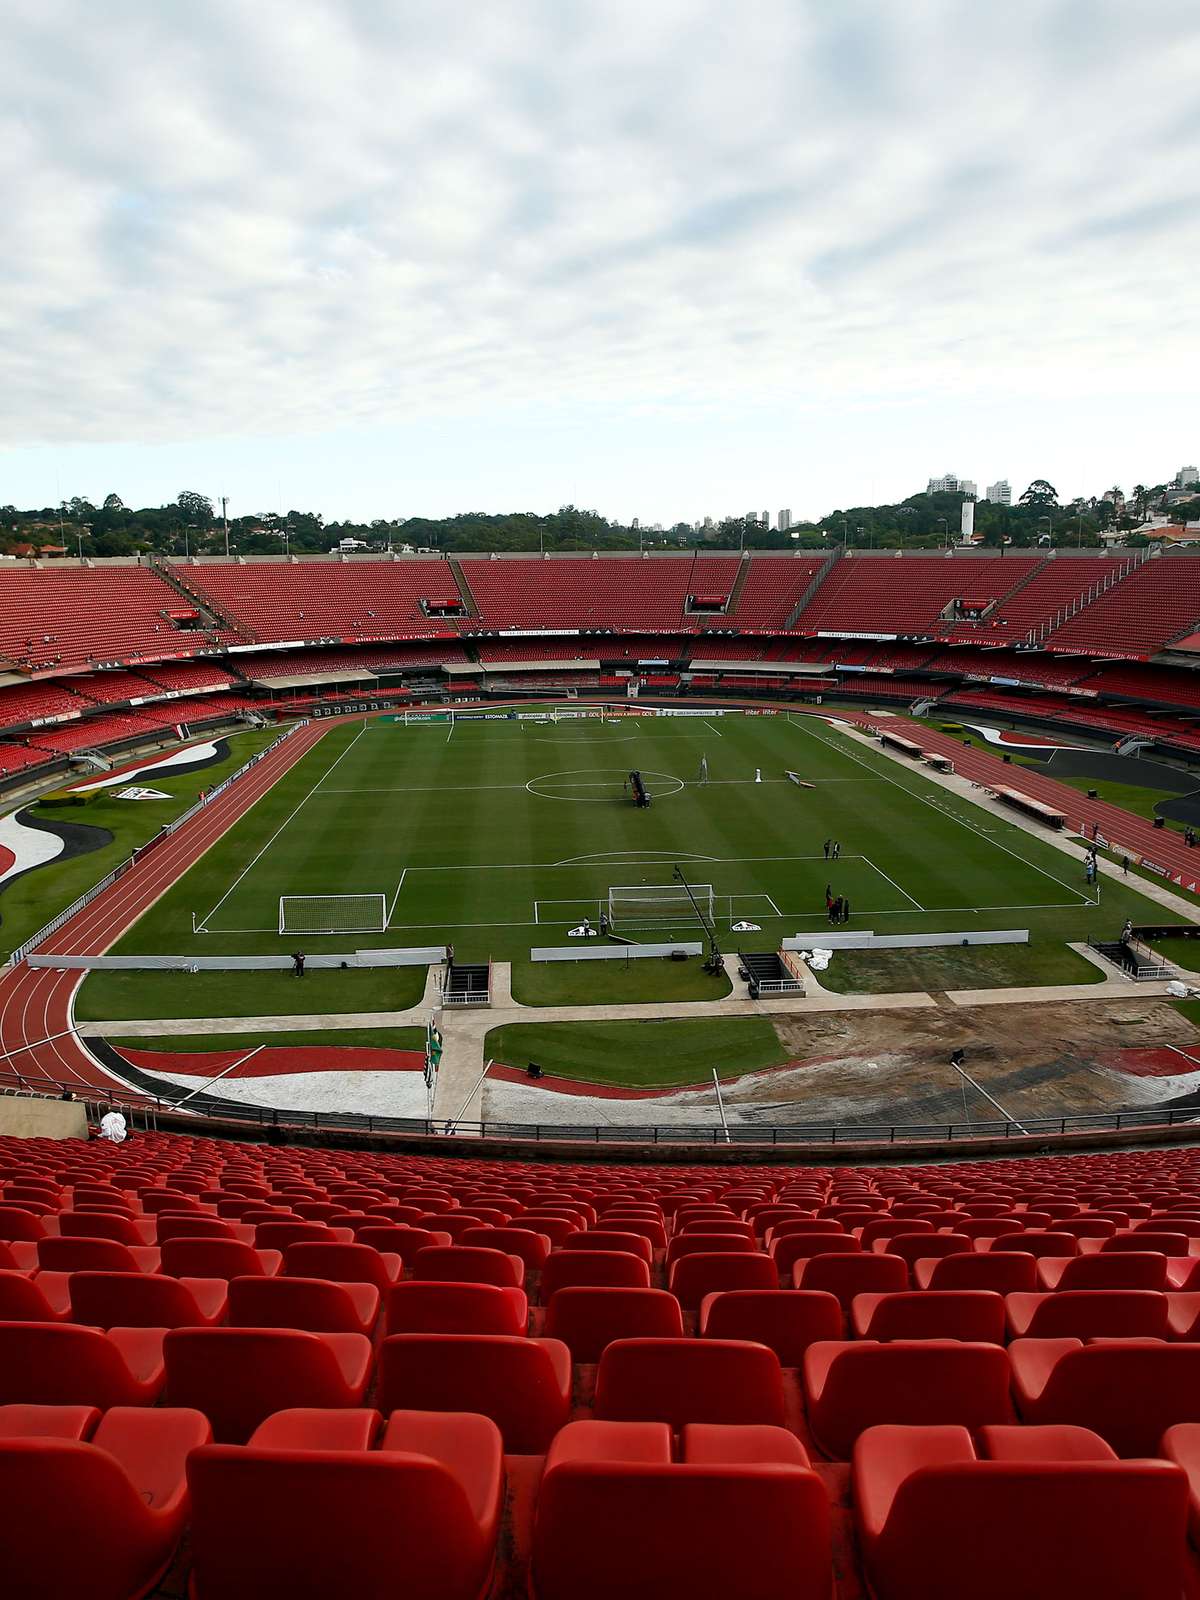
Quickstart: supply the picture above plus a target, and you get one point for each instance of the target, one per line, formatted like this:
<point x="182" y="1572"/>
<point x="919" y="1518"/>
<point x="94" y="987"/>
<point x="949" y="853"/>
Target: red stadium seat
<point x="124" y="1491"/>
<point x="689" y="1380"/>
<point x="146" y="1300"/>
<point x="523" y="1385"/>
<point x="1127" y="1391"/>
<point x="1088" y="1314"/>
<point x="588" y="1318"/>
<point x="849" y="1387"/>
<point x="970" y="1314"/>
<point x="693" y="1277"/>
<point x="60" y="1363"/>
<point x="416" y="1307"/>
<point x="310" y="1509"/>
<point x="314" y="1304"/>
<point x="342" y="1263"/>
<point x="787" y="1322"/>
<point x="239" y="1376"/>
<point x="742" y="1514"/>
<point x="1044" y="1514"/>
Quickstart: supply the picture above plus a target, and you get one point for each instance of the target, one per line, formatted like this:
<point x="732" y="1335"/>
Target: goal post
<point x="312" y="914"/>
<point x="653" y="905"/>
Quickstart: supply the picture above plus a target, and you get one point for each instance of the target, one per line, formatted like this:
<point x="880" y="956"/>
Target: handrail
<point x="159" y="1095"/>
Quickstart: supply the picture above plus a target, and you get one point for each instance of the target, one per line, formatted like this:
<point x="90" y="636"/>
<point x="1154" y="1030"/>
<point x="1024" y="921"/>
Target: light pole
<point x="1049" y="521"/>
<point x="225" y="522"/>
<point x="1079" y="530"/>
<point x="945" y="530"/>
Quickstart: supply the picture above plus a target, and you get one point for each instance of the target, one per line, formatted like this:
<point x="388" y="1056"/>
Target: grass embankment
<point x="348" y="1038"/>
<point x="29" y="903"/>
<point x="996" y="966"/>
<point x="640" y="1055"/>
<point x="119" y="996"/>
<point x="596" y="983"/>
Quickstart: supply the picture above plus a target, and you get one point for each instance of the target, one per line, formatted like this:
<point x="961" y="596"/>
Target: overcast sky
<point x="663" y="258"/>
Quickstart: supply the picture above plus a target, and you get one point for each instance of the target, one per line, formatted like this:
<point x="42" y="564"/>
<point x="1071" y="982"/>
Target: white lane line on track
<point x="113" y="912"/>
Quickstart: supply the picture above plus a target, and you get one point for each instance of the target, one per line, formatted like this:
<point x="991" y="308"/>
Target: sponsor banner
<point x="1004" y="683"/>
<point x="845" y="633"/>
<point x="1154" y="867"/>
<point x="679" y="711"/>
<point x="537" y="633"/>
<point x="141" y="794"/>
<point x="65" y="716"/>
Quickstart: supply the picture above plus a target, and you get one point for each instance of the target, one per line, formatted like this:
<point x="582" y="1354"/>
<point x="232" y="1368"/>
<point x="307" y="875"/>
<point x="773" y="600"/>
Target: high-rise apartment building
<point x="952" y="484"/>
<point x="785" y="521"/>
<point x="1000" y="492"/>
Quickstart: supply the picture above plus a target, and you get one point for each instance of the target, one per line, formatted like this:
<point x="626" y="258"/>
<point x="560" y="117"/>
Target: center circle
<point x="601" y="785"/>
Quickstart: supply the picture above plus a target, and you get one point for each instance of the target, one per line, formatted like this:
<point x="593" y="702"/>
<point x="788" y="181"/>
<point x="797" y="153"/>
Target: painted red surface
<point x="1152" y="1063"/>
<point x="271" y="1061"/>
<point x="7" y="858"/>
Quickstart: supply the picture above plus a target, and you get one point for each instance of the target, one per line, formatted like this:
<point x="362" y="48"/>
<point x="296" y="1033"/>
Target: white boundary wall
<point x="902" y="941"/>
<point x="422" y="956"/>
<point x="608" y="952"/>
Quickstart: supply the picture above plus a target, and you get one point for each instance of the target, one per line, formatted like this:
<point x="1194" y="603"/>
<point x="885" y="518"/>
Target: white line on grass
<point x="717" y="731"/>
<point x="893" y="883"/>
<point x="949" y="815"/>
<point x="254" y="861"/>
<point x="395" y="897"/>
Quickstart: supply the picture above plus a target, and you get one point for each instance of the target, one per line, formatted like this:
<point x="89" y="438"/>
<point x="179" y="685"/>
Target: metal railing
<point x="157" y="1095"/>
<point x="86" y="898"/>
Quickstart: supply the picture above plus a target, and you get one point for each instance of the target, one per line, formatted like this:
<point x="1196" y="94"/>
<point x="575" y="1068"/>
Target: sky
<point x="401" y="257"/>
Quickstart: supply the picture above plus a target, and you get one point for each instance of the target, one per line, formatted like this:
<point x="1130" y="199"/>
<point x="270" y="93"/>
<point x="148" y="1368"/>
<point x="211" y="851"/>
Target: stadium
<point x="663" y="1042"/>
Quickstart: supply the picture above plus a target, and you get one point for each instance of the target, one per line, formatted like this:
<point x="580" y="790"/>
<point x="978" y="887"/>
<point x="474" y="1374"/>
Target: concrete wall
<point x="22" y="1117"/>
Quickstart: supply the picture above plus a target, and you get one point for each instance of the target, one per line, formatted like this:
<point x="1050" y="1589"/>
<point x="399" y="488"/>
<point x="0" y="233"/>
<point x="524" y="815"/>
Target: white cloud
<point x="306" y="219"/>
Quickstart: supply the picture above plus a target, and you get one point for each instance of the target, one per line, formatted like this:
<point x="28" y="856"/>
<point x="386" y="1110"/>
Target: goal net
<point x="653" y="905"/>
<point x="332" y="913"/>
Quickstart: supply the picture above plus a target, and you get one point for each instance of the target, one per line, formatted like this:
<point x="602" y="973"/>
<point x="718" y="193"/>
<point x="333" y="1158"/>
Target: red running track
<point x="36" y="1002"/>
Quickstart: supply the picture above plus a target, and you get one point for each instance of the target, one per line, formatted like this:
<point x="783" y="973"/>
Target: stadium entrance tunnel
<point x="601" y="785"/>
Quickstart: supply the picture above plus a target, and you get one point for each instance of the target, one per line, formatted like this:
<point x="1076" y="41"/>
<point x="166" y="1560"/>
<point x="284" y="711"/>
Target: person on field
<point x="845" y="910"/>
<point x="837" y="849"/>
<point x="828" y="847"/>
<point x="298" y="964"/>
<point x="835" y="910"/>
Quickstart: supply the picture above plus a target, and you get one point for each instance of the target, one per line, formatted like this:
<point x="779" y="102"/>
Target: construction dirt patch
<point x="1035" y="1060"/>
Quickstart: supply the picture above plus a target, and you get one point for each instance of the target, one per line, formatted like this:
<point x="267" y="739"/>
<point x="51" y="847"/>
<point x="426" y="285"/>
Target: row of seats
<point x="1126" y="1388"/>
<point x="913" y="1419"/>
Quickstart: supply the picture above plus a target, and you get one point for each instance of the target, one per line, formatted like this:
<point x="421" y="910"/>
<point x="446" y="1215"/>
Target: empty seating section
<point x="619" y="592"/>
<point x="323" y="600"/>
<point x="55" y="619"/>
<point x="772" y="589"/>
<point x="1136" y="617"/>
<point x="906" y="594"/>
<point x="1054" y="585"/>
<point x="478" y="1372"/>
<point x="22" y="704"/>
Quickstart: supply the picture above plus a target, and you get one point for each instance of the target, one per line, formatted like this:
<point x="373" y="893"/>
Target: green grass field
<point x="641" y="1054"/>
<point x="501" y="835"/>
<point x="345" y="1038"/>
<point x="29" y="902"/>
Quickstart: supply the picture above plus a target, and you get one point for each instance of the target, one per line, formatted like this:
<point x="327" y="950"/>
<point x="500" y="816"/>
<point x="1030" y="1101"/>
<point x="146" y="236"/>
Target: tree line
<point x="190" y="525"/>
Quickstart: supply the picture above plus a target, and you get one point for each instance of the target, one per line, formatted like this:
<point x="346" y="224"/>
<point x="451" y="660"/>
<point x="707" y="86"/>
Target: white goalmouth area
<point x="311" y="914"/>
<point x="653" y="905"/>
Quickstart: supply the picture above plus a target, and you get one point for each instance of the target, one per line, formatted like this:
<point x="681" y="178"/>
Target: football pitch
<point x="499" y="835"/>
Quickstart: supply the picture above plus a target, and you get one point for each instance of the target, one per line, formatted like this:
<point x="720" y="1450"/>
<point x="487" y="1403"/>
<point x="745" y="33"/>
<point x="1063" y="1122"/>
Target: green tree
<point x="1040" y="495"/>
<point x="196" y="508"/>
